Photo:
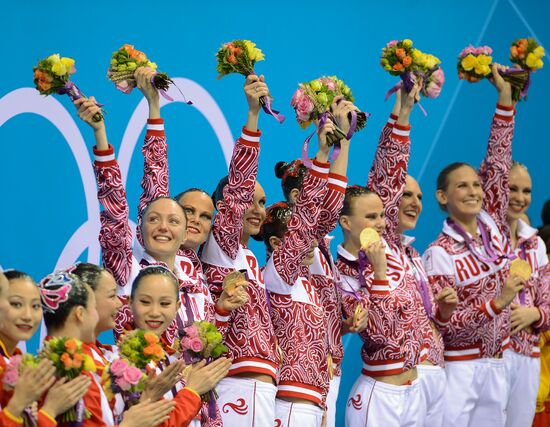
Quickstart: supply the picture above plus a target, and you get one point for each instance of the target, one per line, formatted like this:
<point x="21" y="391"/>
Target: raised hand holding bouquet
<point x="69" y="360"/>
<point x="239" y="56"/>
<point x="201" y="341"/>
<point x="51" y="75"/>
<point x="399" y="58"/>
<point x="125" y="61"/>
<point x="474" y="64"/>
<point x="313" y="102"/>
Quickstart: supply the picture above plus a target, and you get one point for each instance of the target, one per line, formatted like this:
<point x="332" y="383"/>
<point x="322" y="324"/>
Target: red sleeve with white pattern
<point x="155" y="167"/>
<point x="542" y="292"/>
<point x="332" y="205"/>
<point x="383" y="141"/>
<point x="388" y="174"/>
<point x="470" y="310"/>
<point x="495" y="168"/>
<point x="302" y="225"/>
<point x="238" y="193"/>
<point x="115" y="236"/>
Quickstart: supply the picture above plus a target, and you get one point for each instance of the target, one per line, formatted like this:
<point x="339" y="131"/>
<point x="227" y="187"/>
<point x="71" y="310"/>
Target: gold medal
<point x="368" y="236"/>
<point x="232" y="281"/>
<point x="520" y="268"/>
<point x="357" y="313"/>
<point x="330" y="367"/>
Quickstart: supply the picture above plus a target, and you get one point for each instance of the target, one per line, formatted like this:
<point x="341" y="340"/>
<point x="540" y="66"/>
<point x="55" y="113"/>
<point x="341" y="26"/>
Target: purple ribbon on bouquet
<point x="336" y="150"/>
<point x="80" y="411"/>
<point x="492" y="256"/>
<point x="165" y="95"/>
<point x="29" y="419"/>
<point x="511" y="72"/>
<point x="407" y="84"/>
<point x="423" y="289"/>
<point x="73" y="91"/>
<point x="523" y="256"/>
<point x="269" y="110"/>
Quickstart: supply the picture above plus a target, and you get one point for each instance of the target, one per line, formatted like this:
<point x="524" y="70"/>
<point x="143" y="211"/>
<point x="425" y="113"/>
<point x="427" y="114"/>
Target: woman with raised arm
<point x="530" y="311"/>
<point x="247" y="396"/>
<point x="471" y="256"/>
<point x="430" y="369"/>
<point x="324" y="276"/>
<point x="379" y="278"/>
<point x="161" y="221"/>
<point x="291" y="236"/>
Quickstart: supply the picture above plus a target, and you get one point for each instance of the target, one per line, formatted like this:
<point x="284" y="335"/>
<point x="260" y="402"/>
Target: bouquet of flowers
<point x="200" y="341"/>
<point x="70" y="361"/>
<point x="527" y="54"/>
<point x="51" y="75"/>
<point x="239" y="56"/>
<point x="474" y="63"/>
<point x="312" y="101"/>
<point x="14" y="367"/>
<point x="121" y="377"/>
<point x="399" y="58"/>
<point x="140" y="348"/>
<point x="125" y="61"/>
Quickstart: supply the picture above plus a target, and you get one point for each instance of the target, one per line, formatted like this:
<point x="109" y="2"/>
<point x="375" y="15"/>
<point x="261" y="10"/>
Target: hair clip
<point x="53" y="298"/>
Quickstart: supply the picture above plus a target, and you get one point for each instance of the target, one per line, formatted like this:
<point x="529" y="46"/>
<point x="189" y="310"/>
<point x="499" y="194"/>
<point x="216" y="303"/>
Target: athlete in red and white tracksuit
<point x="298" y="315"/>
<point x="430" y="370"/>
<point x="250" y="336"/>
<point x="477" y="387"/>
<point x="522" y="355"/>
<point x="394" y="340"/>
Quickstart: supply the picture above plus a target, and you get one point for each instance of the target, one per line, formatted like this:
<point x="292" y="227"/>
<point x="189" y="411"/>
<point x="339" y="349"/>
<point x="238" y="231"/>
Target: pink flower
<point x="123" y="384"/>
<point x="132" y="375"/>
<point x="196" y="345"/>
<point x="191" y="331"/>
<point x="435" y="83"/>
<point x="118" y="367"/>
<point x="329" y="83"/>
<point x="304" y="107"/>
<point x="185" y="343"/>
<point x="296" y="97"/>
<point x="391" y="43"/>
<point x="467" y="50"/>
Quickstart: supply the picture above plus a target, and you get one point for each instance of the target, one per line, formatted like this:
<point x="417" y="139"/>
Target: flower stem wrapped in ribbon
<point x="52" y="74"/>
<point x="201" y="341"/>
<point x="239" y="56"/>
<point x="399" y="58"/>
<point x="140" y="348"/>
<point x="70" y="361"/>
<point x="125" y="61"/>
<point x="312" y="102"/>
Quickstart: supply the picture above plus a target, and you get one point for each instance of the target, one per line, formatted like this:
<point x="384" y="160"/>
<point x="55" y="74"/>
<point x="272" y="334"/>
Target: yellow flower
<point x="482" y="70"/>
<point x="54" y="58"/>
<point x="531" y="60"/>
<point x="484" y="60"/>
<point x="469" y="62"/>
<point x="539" y="52"/>
<point x="253" y="52"/>
<point x="89" y="364"/>
<point x="152" y="65"/>
<point x="316" y="85"/>
<point x="407" y="43"/>
<point x="431" y="61"/>
<point x="59" y="69"/>
<point x="68" y="63"/>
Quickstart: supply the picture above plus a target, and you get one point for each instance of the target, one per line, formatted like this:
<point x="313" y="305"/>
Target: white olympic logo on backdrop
<point x="28" y="100"/>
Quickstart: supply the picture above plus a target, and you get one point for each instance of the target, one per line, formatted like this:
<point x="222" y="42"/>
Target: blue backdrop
<point x="49" y="209"/>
